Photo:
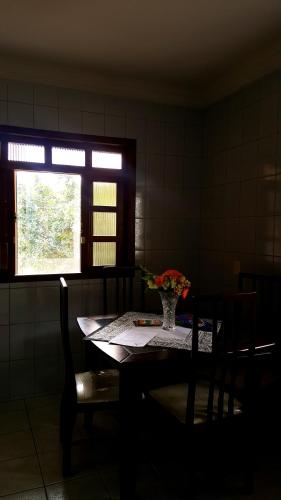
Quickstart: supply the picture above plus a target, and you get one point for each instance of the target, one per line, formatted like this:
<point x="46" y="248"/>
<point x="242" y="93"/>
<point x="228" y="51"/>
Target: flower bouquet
<point x="169" y="281"/>
<point x="171" y="285"/>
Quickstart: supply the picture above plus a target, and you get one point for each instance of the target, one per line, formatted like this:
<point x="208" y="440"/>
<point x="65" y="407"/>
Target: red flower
<point x="185" y="293"/>
<point x="172" y="273"/>
<point x="159" y="280"/>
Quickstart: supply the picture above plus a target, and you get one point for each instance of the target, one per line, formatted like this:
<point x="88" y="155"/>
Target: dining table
<point x="162" y="360"/>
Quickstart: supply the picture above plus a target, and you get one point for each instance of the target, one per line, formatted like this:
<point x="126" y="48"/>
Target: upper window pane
<point x="104" y="194"/>
<point x="26" y="152"/>
<point x="106" y="160"/>
<point x="68" y="156"/>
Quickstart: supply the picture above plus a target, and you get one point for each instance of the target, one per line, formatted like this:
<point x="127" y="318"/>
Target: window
<point x="66" y="203"/>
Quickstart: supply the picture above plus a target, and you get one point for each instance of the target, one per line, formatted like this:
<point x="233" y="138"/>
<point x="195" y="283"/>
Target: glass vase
<point x="169" y="303"/>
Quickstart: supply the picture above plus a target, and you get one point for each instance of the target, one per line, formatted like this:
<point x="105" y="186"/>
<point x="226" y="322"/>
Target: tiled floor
<point x="30" y="467"/>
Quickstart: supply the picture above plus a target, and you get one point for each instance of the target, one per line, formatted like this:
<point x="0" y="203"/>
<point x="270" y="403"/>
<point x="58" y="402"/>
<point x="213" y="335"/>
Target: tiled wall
<point x="169" y="162"/>
<point x="241" y="197"/>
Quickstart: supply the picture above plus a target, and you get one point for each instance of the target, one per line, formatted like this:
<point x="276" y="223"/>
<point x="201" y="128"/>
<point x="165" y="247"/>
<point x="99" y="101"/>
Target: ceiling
<point x="181" y="51"/>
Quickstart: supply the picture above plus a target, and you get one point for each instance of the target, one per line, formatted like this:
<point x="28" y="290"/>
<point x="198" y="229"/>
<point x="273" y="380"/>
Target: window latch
<point x="83" y="240"/>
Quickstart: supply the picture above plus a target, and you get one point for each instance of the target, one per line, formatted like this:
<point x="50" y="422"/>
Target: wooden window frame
<point x="126" y="195"/>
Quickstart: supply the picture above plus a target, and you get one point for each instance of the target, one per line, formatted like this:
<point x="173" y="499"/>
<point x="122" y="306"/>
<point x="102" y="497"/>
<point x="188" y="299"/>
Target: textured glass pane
<point x="68" y="156"/>
<point x="104" y="194"/>
<point x="48" y="207"/>
<point x="104" y="254"/>
<point x="104" y="224"/>
<point x="26" y="152"/>
<point x="106" y="160"/>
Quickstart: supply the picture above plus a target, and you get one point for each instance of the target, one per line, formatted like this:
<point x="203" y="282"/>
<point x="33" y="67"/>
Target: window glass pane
<point x="104" y="253"/>
<point x="106" y="160"/>
<point x="48" y="223"/>
<point x="68" y="156"/>
<point x="26" y="152"/>
<point x="105" y="194"/>
<point x="104" y="224"/>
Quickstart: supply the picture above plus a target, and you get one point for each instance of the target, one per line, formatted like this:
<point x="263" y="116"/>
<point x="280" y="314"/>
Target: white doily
<point x="164" y="339"/>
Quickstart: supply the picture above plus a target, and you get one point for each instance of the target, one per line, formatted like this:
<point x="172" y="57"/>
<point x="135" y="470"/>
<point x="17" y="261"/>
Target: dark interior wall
<point x="240" y="224"/>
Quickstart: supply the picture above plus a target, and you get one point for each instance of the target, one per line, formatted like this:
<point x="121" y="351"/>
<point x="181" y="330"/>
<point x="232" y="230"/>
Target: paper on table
<point x="135" y="336"/>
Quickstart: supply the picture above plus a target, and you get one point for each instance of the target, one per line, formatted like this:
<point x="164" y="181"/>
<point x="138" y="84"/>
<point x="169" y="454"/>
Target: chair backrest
<point x="66" y="345"/>
<point x="230" y="366"/>
<point x="123" y="289"/>
<point x="268" y="289"/>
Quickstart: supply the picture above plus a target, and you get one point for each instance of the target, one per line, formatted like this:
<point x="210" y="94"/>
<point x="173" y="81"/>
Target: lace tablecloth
<point x="163" y="339"/>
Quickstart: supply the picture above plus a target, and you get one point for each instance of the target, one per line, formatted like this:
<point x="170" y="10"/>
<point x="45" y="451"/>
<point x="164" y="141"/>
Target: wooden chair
<point x="83" y="392"/>
<point x="219" y="392"/>
<point x="123" y="289"/>
<point x="268" y="290"/>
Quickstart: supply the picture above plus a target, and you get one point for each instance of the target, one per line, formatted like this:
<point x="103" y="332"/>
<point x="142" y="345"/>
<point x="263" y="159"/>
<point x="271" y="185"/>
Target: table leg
<point x="129" y="405"/>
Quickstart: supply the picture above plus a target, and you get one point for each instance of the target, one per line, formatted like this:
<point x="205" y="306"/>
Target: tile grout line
<point x="35" y="447"/>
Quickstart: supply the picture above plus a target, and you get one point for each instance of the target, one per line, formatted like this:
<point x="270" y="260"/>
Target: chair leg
<point x="67" y="421"/>
<point x="88" y="421"/>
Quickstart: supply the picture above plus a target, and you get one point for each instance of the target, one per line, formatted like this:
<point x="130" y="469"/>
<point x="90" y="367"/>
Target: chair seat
<point x="173" y="399"/>
<point x="97" y="387"/>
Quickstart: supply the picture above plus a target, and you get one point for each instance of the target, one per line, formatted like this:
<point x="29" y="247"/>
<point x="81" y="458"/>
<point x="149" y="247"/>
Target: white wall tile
<point x="140" y="202"/>
<point x="46" y="375"/>
<point x="175" y="139"/>
<point x="264" y="235"/>
<point x="251" y="122"/>
<point x="70" y="120"/>
<point x="4" y="343"/>
<point x="4" y="381"/>
<point x="266" y="193"/>
<point x="93" y="123"/>
<point x="70" y="99"/>
<point x="155" y="169"/>
<point x="3" y="90"/>
<point x="3" y="112"/>
<point x="22" y="305"/>
<point x="141" y="169"/>
<point x="47" y="338"/>
<point x="269" y="115"/>
<point x="155" y="137"/>
<point x="247" y="234"/>
<point x="232" y="199"/>
<point x="248" y="198"/>
<point x="22" y="378"/>
<point x="4" y="310"/>
<point x="115" y="106"/>
<point x="114" y="126"/>
<point x="92" y="103"/>
<point x="20" y="92"/>
<point x="193" y="170"/>
<point x="47" y="302"/>
<point x="139" y="234"/>
<point x="191" y="203"/>
<point x="155" y="234"/>
<point x="174" y="171"/>
<point x="46" y="96"/>
<point x="46" y="118"/>
<point x="266" y="157"/>
<point x="155" y="204"/>
<point x="20" y="115"/>
<point x="136" y="129"/>
<point x="22" y="341"/>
